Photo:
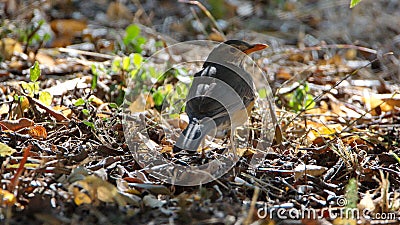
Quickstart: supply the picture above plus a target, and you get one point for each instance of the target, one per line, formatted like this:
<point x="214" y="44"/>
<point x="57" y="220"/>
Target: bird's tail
<point x="191" y="138"/>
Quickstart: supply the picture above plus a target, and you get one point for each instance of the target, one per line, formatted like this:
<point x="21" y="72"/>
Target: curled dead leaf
<point x="15" y="125"/>
<point x="37" y="132"/>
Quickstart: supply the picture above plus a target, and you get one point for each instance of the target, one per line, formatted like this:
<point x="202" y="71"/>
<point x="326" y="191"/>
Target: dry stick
<point x="342" y="46"/>
<point x="207" y="13"/>
<point x="14" y="181"/>
<point x="252" y="206"/>
<point x="201" y="26"/>
<point x="146" y="17"/>
<point x="81" y="52"/>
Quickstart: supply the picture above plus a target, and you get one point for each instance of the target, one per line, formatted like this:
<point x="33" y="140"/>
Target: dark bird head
<point x="233" y="51"/>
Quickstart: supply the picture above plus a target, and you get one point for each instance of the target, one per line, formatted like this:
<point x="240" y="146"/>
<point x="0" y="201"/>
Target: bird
<point x="221" y="95"/>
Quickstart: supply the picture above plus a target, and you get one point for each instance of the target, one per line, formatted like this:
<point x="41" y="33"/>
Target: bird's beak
<point x="254" y="48"/>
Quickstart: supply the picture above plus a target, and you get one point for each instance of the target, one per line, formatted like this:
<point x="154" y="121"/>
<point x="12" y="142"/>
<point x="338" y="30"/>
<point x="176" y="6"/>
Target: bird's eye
<point x="232" y="50"/>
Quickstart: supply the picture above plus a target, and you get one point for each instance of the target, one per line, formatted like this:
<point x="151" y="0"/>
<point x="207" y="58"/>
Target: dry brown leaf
<point x="166" y="149"/>
<point x="57" y="115"/>
<point x="62" y="88"/>
<point x="313" y="170"/>
<point x="97" y="189"/>
<point x="15" y="125"/>
<point x="8" y="47"/>
<point x="45" y="59"/>
<point x="180" y="122"/>
<point x="68" y="27"/>
<point x="283" y="74"/>
<point x="117" y="11"/>
<point x="64" y="110"/>
<point x="66" y="30"/>
<point x="38" y="132"/>
<point x="214" y="36"/>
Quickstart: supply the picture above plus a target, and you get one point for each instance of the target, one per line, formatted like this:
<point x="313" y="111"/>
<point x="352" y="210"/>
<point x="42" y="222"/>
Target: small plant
<point x="353" y="3"/>
<point x="300" y="99"/>
<point x="33" y="87"/>
<point x="86" y="112"/>
<point x="351" y="197"/>
<point x="31" y="36"/>
<point x="132" y="41"/>
<point x="162" y="92"/>
<point x="128" y="67"/>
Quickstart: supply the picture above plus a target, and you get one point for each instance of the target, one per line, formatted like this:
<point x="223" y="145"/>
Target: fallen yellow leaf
<point x="6" y="198"/>
<point x="6" y="150"/>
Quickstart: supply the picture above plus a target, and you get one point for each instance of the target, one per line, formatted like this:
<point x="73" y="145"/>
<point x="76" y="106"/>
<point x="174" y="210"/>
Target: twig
<point x="14" y="181"/>
<point x="252" y="206"/>
<point x="207" y="13"/>
<point x="30" y="36"/>
<point x="81" y="52"/>
<point x="146" y="16"/>
<point x="342" y="46"/>
<point x="203" y="30"/>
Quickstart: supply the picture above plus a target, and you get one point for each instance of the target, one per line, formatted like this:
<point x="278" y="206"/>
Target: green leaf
<point x="94" y="69"/>
<point x="31" y="88"/>
<point x="85" y="112"/>
<point x="126" y="61"/>
<point x="133" y="73"/>
<point x="310" y="103"/>
<point x="262" y="93"/>
<point x="395" y="156"/>
<point x="354" y="3"/>
<point x="139" y="42"/>
<point x="89" y="124"/>
<point x="113" y="105"/>
<point x="46" y="37"/>
<point x="137" y="60"/>
<point x="351" y="196"/>
<point x="45" y="97"/>
<point x="120" y="97"/>
<point x="158" y="98"/>
<point x="5" y="150"/>
<point x="34" y="72"/>
<point x="131" y="32"/>
<point x="79" y="102"/>
<point x="94" y="81"/>
<point x="116" y="65"/>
